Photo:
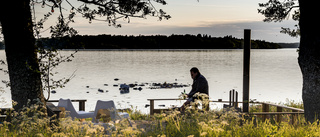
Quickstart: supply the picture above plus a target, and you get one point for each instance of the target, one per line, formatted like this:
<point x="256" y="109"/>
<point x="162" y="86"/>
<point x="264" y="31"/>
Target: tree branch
<point x="274" y="10"/>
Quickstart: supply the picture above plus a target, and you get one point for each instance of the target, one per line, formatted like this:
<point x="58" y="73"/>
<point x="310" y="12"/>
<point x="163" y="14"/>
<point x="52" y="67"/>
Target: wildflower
<point x="219" y="130"/>
<point x="14" y="103"/>
<point x="39" y="135"/>
<point x="203" y="134"/>
<point x="202" y="124"/>
<point x="91" y="131"/>
<point x="224" y="123"/>
<point x="212" y="121"/>
<point x="182" y="96"/>
<point x="58" y="135"/>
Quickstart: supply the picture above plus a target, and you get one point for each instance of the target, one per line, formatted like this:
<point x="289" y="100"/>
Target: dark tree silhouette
<point x="152" y="42"/>
<point x="309" y="50"/>
<point x="278" y="11"/>
<point x="18" y="30"/>
<point x="20" y="52"/>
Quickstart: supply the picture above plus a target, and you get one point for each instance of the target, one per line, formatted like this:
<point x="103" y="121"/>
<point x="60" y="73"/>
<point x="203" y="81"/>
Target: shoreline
<point x="178" y="50"/>
<point x="165" y="49"/>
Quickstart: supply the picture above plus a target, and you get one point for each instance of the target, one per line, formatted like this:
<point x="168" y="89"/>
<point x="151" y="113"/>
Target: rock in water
<point x="100" y="90"/>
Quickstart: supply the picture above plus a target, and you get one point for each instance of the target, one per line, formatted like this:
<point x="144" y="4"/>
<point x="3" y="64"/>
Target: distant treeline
<point x="151" y="42"/>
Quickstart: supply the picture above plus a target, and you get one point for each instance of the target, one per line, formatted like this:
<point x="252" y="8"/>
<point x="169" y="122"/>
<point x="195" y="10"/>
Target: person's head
<point x="194" y="72"/>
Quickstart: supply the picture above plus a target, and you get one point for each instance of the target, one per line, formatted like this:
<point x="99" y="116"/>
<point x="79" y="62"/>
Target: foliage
<point x="91" y="10"/>
<point x="154" y="42"/>
<point x="292" y="103"/>
<point x="48" y="60"/>
<point x="102" y="10"/>
<point x="277" y="11"/>
<point x="192" y="123"/>
<point x="288" y="103"/>
<point x="31" y="121"/>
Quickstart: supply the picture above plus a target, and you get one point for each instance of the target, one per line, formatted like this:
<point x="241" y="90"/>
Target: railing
<point x="153" y="110"/>
<point x="265" y="114"/>
<point x="3" y="116"/>
<point x="82" y="103"/>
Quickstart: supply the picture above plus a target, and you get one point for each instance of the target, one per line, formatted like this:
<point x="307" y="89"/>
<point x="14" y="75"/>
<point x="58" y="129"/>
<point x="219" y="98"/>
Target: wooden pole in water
<point x="246" y="69"/>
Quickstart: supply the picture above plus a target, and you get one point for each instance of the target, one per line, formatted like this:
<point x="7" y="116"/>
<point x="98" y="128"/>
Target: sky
<point x="217" y="18"/>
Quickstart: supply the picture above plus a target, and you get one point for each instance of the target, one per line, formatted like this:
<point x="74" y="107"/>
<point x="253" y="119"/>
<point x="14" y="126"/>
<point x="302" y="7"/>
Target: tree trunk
<point x="309" y="58"/>
<point x="21" y="53"/>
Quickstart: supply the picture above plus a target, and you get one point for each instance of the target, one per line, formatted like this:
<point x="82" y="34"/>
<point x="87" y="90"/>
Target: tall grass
<point x="193" y="123"/>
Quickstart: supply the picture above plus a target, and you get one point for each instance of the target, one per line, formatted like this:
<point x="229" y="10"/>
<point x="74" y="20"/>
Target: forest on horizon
<point x="186" y="41"/>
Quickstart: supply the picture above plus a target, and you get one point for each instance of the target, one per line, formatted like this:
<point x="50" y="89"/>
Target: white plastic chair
<point x="109" y="105"/>
<point x="66" y="103"/>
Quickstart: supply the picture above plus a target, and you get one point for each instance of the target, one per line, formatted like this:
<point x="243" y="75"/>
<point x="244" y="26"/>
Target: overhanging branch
<point x="276" y="11"/>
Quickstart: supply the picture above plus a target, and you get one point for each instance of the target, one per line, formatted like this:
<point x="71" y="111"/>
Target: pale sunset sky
<point x="217" y="18"/>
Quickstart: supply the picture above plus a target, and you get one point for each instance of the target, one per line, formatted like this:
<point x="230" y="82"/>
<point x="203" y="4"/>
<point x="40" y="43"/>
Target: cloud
<point x="260" y="30"/>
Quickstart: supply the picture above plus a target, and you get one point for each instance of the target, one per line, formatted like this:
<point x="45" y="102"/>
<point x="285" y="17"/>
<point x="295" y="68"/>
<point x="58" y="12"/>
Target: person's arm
<point x="192" y="92"/>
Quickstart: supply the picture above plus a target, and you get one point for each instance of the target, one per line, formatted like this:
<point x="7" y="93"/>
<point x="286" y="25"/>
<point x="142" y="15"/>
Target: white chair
<point x="110" y="106"/>
<point x="70" y="111"/>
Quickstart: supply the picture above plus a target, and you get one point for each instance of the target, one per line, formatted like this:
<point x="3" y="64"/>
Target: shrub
<point x="31" y="121"/>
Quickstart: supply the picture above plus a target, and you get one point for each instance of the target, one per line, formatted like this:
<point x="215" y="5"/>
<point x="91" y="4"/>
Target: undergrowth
<point x="31" y="121"/>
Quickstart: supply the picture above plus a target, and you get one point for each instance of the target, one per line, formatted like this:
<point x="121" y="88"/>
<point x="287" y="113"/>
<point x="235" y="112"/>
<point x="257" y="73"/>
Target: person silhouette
<point x="200" y="85"/>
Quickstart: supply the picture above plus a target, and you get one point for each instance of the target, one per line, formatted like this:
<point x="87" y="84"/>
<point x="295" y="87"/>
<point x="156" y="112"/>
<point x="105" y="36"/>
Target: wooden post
<point x="236" y="104"/>
<point x="294" y="117"/>
<point x="151" y="107"/>
<point x="82" y="105"/>
<point x="279" y="109"/>
<point x="246" y="69"/>
<point x="230" y="98"/>
<point x="265" y="108"/>
<point x="233" y="98"/>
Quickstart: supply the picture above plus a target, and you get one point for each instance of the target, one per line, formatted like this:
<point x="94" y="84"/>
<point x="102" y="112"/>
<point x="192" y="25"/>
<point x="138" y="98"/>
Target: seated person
<point x="200" y="84"/>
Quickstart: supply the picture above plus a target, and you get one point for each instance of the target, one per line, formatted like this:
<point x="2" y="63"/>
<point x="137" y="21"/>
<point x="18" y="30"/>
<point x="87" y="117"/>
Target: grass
<point x="193" y="123"/>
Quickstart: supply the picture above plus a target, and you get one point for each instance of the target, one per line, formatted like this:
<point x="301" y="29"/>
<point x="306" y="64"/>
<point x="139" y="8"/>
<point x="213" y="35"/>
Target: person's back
<point x="200" y="84"/>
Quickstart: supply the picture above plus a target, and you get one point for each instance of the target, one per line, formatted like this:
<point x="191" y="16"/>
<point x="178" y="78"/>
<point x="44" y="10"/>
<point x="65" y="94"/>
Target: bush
<point x="31" y="121"/>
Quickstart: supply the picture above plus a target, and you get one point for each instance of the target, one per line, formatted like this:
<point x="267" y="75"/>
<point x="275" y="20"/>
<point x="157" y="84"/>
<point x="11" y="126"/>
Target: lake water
<point x="275" y="75"/>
